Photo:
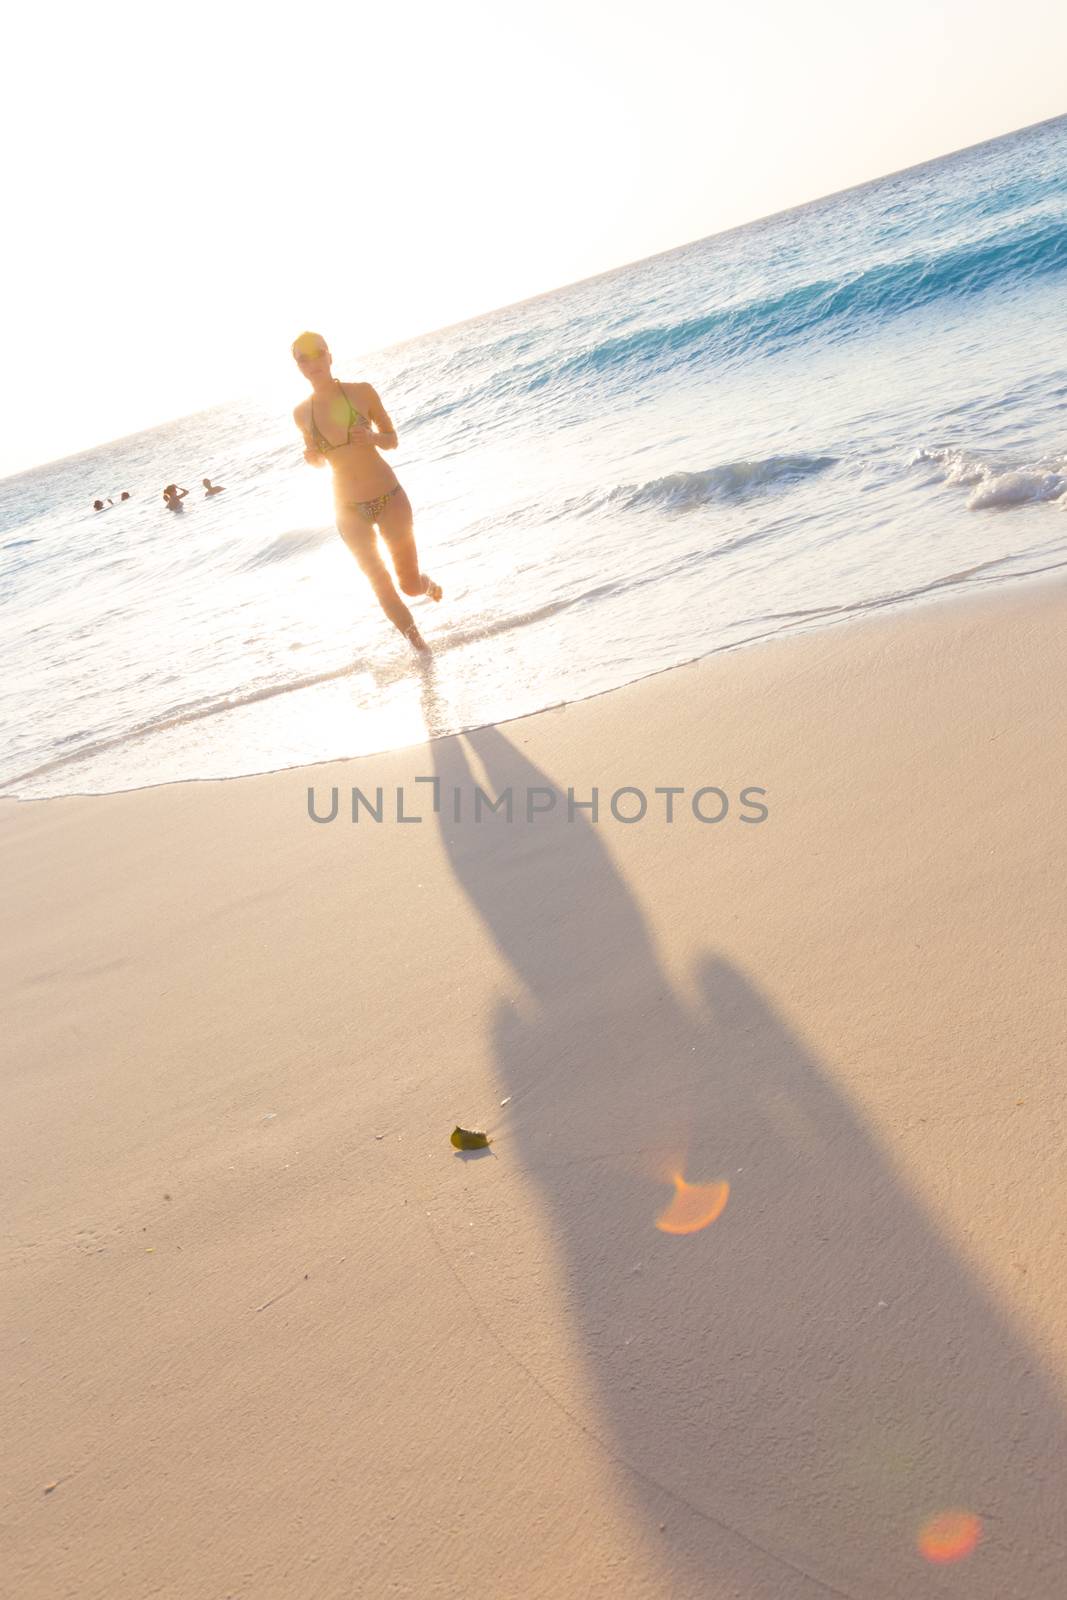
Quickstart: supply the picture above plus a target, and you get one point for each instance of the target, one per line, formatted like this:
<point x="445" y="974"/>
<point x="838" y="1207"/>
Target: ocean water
<point x="856" y="404"/>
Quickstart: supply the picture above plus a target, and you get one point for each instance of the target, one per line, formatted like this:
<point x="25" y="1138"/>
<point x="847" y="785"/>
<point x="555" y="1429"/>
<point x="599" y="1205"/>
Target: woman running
<point x="335" y="421"/>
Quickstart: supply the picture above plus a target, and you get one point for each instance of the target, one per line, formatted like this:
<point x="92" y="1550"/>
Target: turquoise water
<point x="857" y="404"/>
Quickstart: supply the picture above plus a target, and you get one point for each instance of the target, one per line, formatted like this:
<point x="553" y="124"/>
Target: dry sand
<point x="267" y="1335"/>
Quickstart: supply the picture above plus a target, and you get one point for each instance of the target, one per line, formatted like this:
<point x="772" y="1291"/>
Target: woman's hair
<point x="305" y="341"/>
<point x="167" y="490"/>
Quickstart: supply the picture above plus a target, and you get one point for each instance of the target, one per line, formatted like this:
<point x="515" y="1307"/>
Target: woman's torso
<point x="359" y="473"/>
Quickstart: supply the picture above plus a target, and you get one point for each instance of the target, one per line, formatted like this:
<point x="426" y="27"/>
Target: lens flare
<point x="950" y="1536"/>
<point x="694" y="1205"/>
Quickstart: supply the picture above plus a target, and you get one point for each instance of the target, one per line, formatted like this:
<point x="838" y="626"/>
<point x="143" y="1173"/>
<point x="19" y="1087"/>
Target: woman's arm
<point x="313" y="457"/>
<point x="386" y="437"/>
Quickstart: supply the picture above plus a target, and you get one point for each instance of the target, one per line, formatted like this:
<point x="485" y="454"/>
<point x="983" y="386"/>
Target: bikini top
<point x="321" y="443"/>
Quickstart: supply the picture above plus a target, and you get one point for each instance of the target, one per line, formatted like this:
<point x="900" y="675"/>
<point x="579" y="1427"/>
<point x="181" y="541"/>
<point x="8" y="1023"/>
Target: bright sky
<point x="189" y="186"/>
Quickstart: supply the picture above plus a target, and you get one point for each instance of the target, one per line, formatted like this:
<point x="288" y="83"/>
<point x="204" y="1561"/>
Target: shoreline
<point x="861" y="613"/>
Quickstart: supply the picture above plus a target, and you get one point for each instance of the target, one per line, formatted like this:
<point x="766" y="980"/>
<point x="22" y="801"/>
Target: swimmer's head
<point x="311" y="354"/>
<point x="98" y="505"/>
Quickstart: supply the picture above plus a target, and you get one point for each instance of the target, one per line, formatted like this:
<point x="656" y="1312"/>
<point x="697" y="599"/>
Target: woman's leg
<point x="360" y="538"/>
<point x="396" y="527"/>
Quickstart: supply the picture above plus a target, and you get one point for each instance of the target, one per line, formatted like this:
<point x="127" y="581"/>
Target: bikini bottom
<point x="371" y="510"/>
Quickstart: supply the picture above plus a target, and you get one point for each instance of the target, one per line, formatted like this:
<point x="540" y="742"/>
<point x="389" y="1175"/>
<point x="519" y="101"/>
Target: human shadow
<point x="793" y="1392"/>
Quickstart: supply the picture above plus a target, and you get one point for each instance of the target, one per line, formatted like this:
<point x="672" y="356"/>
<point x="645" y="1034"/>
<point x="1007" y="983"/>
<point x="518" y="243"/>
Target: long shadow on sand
<point x="797" y="1388"/>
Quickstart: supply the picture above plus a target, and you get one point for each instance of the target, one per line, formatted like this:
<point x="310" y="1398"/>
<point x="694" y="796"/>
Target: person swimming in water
<point x="335" y="421"/>
<point x="174" y="496"/>
<point x="211" y="488"/>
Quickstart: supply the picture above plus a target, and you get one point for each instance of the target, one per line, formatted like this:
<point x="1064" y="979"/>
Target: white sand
<point x="268" y="1336"/>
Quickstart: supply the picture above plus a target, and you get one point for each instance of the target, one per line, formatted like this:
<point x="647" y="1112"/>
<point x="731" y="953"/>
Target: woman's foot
<point x="416" y="638"/>
<point x="434" y="590"/>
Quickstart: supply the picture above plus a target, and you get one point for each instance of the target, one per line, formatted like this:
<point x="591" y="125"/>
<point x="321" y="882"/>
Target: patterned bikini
<point x="369" y="510"/>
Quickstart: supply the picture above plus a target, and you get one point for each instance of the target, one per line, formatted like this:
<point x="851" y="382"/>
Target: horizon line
<point x="544" y="294"/>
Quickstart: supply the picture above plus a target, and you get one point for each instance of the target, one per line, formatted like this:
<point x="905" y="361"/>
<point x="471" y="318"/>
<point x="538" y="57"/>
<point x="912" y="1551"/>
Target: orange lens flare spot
<point x="950" y="1536"/>
<point x="694" y="1206"/>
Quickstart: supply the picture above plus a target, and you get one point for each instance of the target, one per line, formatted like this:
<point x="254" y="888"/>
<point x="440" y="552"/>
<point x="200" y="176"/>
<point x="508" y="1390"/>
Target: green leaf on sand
<point x="464" y="1139"/>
